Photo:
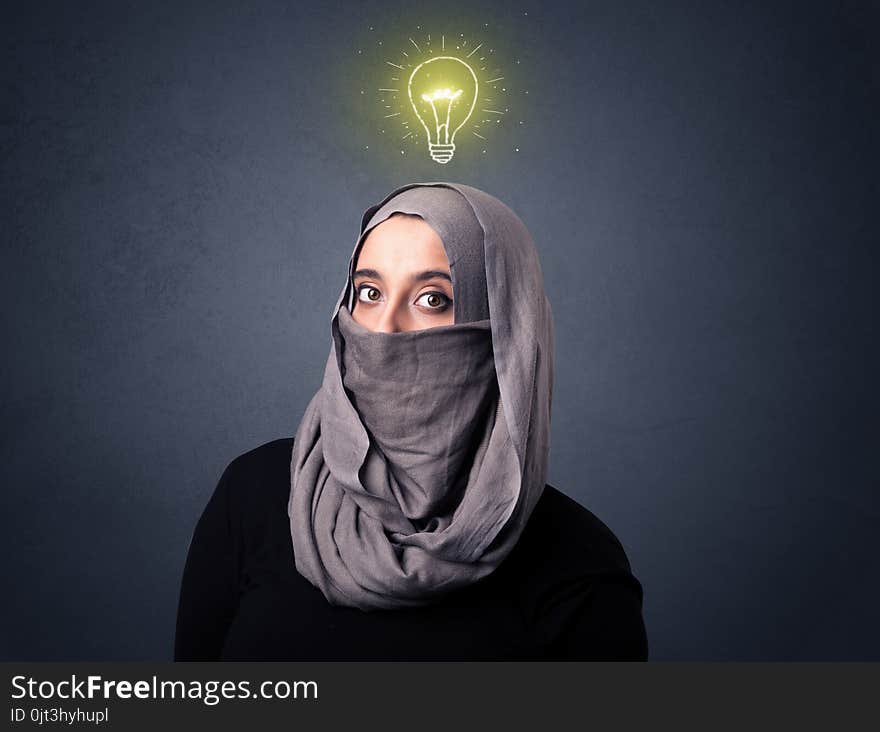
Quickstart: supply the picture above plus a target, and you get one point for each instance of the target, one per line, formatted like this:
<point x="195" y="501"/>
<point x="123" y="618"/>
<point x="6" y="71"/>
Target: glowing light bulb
<point x="443" y="93"/>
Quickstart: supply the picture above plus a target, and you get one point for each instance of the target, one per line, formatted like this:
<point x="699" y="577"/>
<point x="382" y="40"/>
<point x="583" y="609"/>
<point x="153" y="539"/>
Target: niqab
<point x="418" y="462"/>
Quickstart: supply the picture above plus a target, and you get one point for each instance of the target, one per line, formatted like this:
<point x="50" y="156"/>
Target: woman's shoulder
<point x="571" y="535"/>
<point x="573" y="583"/>
<point x="259" y="477"/>
<point x="267" y="459"/>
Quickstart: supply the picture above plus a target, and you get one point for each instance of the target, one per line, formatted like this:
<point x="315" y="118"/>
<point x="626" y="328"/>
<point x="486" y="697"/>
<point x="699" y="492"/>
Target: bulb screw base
<point x="441" y="153"/>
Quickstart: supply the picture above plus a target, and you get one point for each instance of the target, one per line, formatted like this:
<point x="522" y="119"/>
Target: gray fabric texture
<point x="449" y="214"/>
<point x="418" y="462"/>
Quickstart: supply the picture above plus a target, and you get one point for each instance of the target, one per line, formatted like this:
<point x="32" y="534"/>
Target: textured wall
<point x="182" y="185"/>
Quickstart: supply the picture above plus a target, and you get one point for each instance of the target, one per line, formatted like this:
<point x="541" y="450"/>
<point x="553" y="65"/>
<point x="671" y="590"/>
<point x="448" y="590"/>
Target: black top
<point x="564" y="592"/>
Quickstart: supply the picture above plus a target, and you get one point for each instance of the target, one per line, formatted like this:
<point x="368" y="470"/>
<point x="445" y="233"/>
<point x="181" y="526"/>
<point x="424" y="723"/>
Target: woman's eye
<point x="368" y="293"/>
<point x="434" y="301"/>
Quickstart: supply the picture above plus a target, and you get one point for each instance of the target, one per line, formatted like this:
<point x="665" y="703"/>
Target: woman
<point x="409" y="516"/>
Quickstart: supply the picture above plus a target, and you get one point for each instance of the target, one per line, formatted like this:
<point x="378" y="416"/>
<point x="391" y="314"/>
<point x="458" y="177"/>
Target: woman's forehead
<point x="401" y="240"/>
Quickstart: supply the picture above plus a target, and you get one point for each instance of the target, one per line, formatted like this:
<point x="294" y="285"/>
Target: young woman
<point x="409" y="517"/>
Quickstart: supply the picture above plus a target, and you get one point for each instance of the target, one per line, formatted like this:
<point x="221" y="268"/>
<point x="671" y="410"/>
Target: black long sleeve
<point x="578" y="592"/>
<point x="603" y="622"/>
<point x="209" y="588"/>
<point x="565" y="592"/>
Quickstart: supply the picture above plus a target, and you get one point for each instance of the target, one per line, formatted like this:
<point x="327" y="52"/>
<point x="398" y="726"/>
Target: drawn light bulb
<point x="443" y="93"/>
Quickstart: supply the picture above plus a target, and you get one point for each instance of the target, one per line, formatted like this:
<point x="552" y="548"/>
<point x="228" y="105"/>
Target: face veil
<point x="418" y="462"/>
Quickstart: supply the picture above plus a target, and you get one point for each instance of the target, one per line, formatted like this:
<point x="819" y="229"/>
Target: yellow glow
<point x="442" y="94"/>
<point x="443" y="111"/>
<point x="443" y="91"/>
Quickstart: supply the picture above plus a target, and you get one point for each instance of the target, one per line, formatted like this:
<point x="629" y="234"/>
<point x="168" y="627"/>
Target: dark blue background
<point x="182" y="186"/>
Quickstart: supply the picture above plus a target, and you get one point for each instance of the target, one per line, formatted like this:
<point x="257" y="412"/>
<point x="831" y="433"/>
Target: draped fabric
<point x="419" y="460"/>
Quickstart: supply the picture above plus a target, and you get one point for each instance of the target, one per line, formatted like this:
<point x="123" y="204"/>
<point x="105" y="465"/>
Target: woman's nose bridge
<point x="392" y="314"/>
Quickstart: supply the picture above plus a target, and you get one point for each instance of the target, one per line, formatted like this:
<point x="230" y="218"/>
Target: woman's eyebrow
<point x="430" y="274"/>
<point x="367" y="273"/>
<point x="427" y="274"/>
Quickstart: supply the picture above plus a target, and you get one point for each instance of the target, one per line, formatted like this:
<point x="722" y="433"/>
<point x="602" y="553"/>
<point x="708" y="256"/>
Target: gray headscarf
<point x="420" y="459"/>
